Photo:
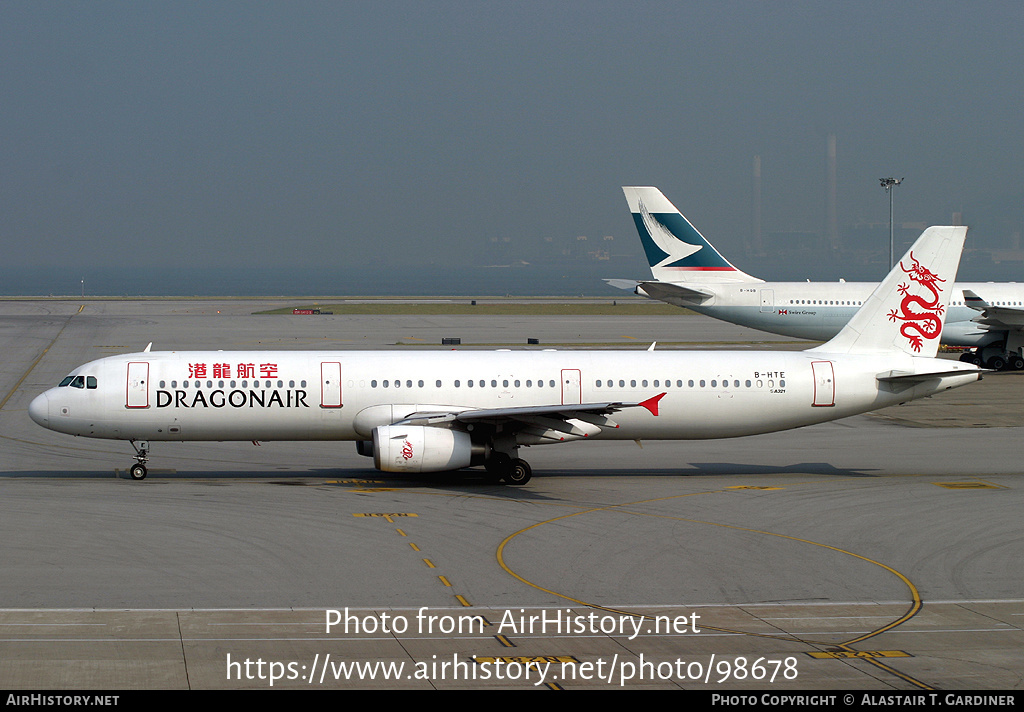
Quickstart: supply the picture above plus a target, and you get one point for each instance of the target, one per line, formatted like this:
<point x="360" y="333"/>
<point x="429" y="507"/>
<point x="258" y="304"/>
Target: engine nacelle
<point x="416" y="448"/>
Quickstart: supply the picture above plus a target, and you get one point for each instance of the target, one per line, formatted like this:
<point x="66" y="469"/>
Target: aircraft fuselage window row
<point x="91" y="383"/>
<point x="470" y="383"/>
<point x="702" y="383"/>
<point x="825" y="301"/>
<point x="600" y="383"/>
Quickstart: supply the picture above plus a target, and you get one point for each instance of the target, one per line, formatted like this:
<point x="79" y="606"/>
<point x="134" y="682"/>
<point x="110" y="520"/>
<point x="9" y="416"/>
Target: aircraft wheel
<point x="519" y="472"/>
<point x="138" y="471"/>
<point x="996" y="363"/>
<point x="1017" y="363"/>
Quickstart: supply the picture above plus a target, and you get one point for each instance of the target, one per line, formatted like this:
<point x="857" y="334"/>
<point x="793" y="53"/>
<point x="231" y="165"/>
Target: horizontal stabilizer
<point x="671" y="292"/>
<point x="905" y="377"/>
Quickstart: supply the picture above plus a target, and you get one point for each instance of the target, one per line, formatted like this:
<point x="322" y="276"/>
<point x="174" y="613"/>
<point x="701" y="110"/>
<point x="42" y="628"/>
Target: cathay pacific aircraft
<point x="689" y="272"/>
<point x="447" y="410"/>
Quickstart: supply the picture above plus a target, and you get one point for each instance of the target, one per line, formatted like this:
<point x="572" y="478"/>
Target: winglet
<point x="974" y="301"/>
<point x="651" y="404"/>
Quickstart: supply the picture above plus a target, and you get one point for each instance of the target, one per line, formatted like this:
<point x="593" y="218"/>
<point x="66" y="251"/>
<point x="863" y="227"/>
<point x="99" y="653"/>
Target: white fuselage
<point x="818" y="310"/>
<point x="220" y="395"/>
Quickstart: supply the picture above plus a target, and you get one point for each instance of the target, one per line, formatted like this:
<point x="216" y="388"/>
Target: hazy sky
<point x="409" y="133"/>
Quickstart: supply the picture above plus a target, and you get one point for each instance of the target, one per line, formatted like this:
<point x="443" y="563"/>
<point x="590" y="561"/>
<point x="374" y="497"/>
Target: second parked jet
<point x="689" y="272"/>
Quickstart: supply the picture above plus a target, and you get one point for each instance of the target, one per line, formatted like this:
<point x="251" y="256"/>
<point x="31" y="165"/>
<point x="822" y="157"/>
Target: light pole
<point x="887" y="185"/>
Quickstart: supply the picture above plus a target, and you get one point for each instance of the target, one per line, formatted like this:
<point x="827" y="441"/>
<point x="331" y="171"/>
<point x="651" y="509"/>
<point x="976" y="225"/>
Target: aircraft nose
<point x="39" y="410"/>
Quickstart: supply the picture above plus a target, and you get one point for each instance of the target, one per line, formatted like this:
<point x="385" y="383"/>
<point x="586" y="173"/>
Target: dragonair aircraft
<point x="689" y="272"/>
<point x="446" y="410"/>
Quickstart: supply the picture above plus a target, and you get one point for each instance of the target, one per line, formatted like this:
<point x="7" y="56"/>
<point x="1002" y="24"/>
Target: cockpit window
<point x="90" y="382"/>
<point x="78" y="382"/>
<point x="67" y="380"/>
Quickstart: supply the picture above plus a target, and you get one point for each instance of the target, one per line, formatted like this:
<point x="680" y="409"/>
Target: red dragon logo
<point x="920" y="313"/>
<point x="407" y="451"/>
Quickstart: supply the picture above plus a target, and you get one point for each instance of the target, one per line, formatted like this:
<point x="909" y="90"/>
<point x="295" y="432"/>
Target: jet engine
<point x="416" y="448"/>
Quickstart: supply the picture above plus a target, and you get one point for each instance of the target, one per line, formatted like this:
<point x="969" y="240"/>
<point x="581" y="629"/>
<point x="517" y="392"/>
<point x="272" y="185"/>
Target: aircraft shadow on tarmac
<point x="465" y="477"/>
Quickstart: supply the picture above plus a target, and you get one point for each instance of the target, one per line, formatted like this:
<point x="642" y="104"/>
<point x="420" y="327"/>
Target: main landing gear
<point x="138" y="471"/>
<point x="502" y="467"/>
<point x="995" y="358"/>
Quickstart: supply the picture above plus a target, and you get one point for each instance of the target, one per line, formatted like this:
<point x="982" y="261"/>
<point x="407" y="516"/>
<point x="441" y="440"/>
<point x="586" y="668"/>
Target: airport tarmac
<point x="879" y="552"/>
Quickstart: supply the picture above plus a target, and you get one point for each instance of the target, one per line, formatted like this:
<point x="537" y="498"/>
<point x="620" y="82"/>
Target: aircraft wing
<point x="548" y="422"/>
<point x="993" y="316"/>
<point x="663" y="291"/>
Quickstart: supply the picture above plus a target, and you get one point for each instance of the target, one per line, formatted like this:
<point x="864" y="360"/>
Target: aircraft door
<point x="137" y="388"/>
<point x="330" y="384"/>
<point x="572" y="392"/>
<point x="824" y="384"/>
<point x="767" y="300"/>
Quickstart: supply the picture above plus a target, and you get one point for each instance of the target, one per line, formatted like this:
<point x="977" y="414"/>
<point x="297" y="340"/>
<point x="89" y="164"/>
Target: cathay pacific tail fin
<point x="675" y="249"/>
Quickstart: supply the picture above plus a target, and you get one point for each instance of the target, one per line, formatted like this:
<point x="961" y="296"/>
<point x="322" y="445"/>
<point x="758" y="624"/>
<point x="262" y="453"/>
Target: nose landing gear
<point x="138" y="470"/>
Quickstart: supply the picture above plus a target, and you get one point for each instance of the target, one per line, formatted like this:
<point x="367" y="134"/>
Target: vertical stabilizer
<point x="676" y="251"/>
<point x="907" y="310"/>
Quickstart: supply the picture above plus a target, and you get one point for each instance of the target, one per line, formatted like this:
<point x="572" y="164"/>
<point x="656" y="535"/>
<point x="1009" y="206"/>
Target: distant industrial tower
<point x="831" y="218"/>
<point x="755" y="218"/>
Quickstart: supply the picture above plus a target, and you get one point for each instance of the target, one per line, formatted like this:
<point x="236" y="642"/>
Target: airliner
<point x="447" y="410"/>
<point x="689" y="272"/>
